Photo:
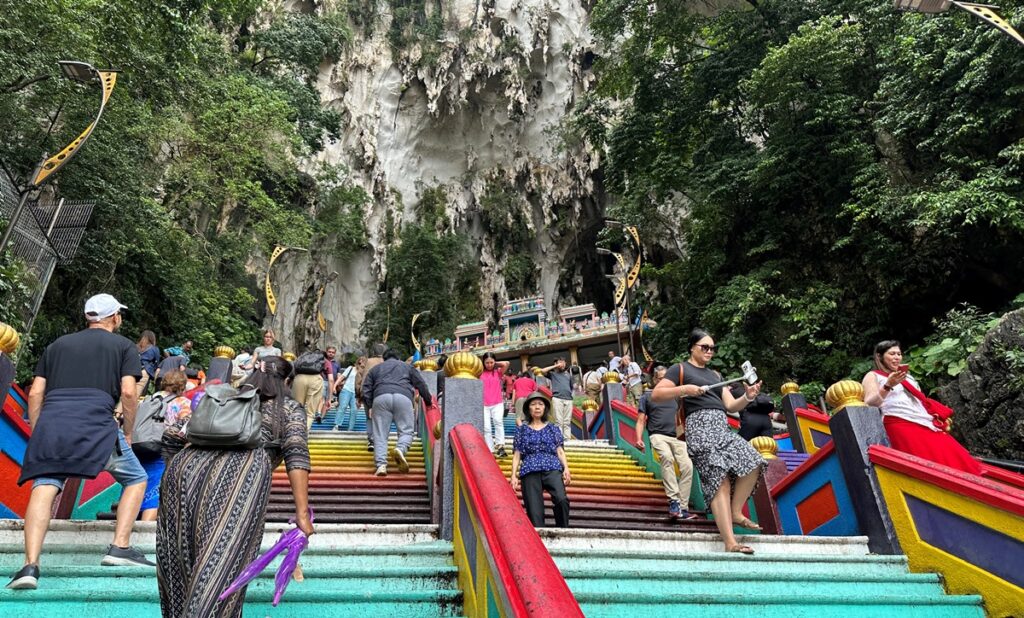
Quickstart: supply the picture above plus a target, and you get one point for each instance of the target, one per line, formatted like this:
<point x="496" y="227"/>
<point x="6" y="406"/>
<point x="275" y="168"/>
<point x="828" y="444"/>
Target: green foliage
<point x="17" y="286"/>
<point x="340" y="223"/>
<point x="943" y="355"/>
<point x="520" y="275"/>
<point x="426" y="272"/>
<point x="194" y="166"/>
<point x="841" y="173"/>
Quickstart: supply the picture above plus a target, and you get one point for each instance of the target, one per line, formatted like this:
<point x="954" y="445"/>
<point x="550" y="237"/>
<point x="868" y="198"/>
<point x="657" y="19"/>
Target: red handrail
<point x="625" y="408"/>
<point x="524" y="568"/>
<point x="432" y="416"/>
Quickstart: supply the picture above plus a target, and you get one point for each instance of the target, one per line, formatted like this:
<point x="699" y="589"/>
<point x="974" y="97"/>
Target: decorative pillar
<point x="856" y="426"/>
<point x="463" y="403"/>
<point x="791" y="400"/>
<point x="590" y="410"/>
<point x="767" y="514"/>
<point x="524" y="361"/>
<point x="611" y="388"/>
<point x="574" y="356"/>
<point x="221" y="365"/>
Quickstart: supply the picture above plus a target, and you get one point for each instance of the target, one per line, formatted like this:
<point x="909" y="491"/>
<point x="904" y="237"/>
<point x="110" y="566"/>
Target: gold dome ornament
<point x="428" y="364"/>
<point x="418" y="364"/>
<point x="611" y="377"/>
<point x="589" y="405"/>
<point x="289" y="356"/>
<point x="464" y="365"/>
<point x="537" y="371"/>
<point x="9" y="339"/>
<point x="844" y="393"/>
<point x="224" y="351"/>
<point x="766" y="446"/>
<point x="789" y="388"/>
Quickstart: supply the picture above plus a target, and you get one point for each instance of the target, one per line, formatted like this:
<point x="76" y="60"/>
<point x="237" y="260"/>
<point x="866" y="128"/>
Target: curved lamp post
<point x="271" y="297"/>
<point x="80" y="72"/>
<point x="984" y="12"/>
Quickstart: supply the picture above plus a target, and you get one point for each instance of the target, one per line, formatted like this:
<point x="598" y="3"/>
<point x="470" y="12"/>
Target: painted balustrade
<point x="504" y="568"/>
<point x="968" y="528"/>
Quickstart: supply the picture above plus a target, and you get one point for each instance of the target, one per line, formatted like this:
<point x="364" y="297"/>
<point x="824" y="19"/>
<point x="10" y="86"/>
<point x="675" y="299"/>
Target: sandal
<point x="740" y="549"/>
<point x="743" y="522"/>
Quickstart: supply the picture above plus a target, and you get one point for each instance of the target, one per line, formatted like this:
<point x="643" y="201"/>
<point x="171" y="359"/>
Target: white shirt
<point x="903" y="405"/>
<point x="633" y="374"/>
<point x="613" y="364"/>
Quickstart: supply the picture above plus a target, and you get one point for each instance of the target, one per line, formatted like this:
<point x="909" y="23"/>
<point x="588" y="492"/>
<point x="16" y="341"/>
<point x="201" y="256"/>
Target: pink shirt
<point x="523" y="387"/>
<point x="492" y="386"/>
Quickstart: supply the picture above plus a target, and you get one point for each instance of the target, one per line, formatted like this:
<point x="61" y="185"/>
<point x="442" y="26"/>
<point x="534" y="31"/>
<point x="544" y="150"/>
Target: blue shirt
<point x="538" y="449"/>
<point x="150" y="358"/>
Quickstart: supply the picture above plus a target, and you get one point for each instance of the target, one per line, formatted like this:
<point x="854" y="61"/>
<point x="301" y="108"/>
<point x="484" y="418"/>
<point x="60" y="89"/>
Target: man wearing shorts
<point x="78" y="381"/>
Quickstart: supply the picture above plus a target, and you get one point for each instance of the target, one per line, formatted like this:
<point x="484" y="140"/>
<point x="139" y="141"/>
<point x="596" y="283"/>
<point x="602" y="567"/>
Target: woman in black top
<point x="728" y="466"/>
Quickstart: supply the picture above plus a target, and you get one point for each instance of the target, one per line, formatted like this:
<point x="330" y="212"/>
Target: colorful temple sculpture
<point x="526" y="331"/>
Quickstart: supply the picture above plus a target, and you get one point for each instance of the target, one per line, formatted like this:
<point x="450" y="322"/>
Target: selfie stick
<point x="749" y="376"/>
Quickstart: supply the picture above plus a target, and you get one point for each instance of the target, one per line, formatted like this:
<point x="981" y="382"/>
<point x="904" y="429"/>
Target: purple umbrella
<point x="294" y="541"/>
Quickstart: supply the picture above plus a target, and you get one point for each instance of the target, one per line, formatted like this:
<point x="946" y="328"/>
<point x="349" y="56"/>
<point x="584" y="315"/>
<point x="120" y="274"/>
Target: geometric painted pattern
<point x="818" y="508"/>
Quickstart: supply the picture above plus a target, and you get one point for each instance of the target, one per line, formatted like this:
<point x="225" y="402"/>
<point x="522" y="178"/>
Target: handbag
<point x="939" y="411"/>
<point x="680" y="412"/>
<point x="227" y="418"/>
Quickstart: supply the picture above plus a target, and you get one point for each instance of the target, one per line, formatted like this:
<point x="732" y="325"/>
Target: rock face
<point x="988" y="396"/>
<point x="477" y="111"/>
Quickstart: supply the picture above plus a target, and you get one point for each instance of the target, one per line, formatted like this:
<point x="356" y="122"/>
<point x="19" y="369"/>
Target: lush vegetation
<point x="815" y="176"/>
<point x="195" y="167"/>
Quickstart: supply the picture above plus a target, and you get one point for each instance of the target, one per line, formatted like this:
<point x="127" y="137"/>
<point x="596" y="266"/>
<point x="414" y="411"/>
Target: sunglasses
<point x="708" y="348"/>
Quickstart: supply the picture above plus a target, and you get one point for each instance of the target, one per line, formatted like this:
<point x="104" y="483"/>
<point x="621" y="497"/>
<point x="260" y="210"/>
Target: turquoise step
<point x="402" y="580"/>
<point x="724" y="604"/>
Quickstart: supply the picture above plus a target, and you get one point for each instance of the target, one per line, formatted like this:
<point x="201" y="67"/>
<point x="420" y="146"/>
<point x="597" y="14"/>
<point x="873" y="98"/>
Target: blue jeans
<point x="125" y="468"/>
<point x="347" y="401"/>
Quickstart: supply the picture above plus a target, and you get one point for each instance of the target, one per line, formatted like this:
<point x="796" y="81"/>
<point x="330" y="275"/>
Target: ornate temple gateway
<point x="527" y="332"/>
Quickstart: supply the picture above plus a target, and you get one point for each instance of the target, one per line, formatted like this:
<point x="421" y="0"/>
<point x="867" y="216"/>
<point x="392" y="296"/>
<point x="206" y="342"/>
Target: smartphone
<point x="903" y="368"/>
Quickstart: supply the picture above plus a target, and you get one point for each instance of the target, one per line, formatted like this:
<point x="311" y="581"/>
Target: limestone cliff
<point x="477" y="111"/>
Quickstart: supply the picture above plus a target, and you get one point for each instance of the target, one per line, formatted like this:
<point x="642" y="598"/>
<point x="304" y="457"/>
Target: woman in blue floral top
<point x="538" y="463"/>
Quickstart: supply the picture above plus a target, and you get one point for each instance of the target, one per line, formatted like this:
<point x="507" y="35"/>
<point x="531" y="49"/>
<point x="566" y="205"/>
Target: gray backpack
<point x="148" y="433"/>
<point x="226" y="417"/>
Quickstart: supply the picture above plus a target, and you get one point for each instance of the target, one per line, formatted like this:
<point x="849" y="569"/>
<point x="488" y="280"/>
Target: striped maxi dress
<point x="212" y="508"/>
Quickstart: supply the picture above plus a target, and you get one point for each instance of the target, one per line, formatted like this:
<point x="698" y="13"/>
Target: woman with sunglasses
<point x="728" y="465"/>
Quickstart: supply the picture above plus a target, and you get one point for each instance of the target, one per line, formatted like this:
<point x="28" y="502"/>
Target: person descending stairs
<point x="610" y="490"/>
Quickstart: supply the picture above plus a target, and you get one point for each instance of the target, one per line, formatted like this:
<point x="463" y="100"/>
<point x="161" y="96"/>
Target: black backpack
<point x="148" y="433"/>
<point x="310" y="363"/>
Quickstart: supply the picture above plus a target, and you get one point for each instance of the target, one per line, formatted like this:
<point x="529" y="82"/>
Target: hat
<point x="531" y="397"/>
<point x="102" y="306"/>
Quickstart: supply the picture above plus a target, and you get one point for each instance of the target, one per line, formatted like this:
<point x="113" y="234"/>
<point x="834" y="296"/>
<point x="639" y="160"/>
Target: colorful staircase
<point x="620" y="573"/>
<point x="343" y="488"/>
<point x="349" y="570"/>
<point x="610" y="490"/>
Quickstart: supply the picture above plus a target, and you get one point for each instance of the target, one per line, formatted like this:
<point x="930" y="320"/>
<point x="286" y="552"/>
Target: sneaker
<point x="25" y="579"/>
<point x="400" y="460"/>
<point x="382" y="470"/>
<point x="502" y="453"/>
<point x="125" y="556"/>
<point x="318" y="419"/>
<point x="687" y="515"/>
<point x="674" y="511"/>
<point x="369" y="447"/>
<point x="337" y="428"/>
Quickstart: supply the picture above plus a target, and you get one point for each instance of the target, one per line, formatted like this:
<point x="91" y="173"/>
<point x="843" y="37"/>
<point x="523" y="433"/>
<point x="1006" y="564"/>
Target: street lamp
<point x="82" y="72"/>
<point x="985" y="12"/>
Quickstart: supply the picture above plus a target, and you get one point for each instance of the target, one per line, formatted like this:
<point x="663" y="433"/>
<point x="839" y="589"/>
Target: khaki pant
<point x="140" y="386"/>
<point x="562" y="409"/>
<point x="672" y="452"/>
<point x="634" y="394"/>
<point x="594" y="392"/>
<point x="309" y="391"/>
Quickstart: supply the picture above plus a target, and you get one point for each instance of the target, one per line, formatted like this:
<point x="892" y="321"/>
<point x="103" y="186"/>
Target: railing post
<point x="463" y="404"/>
<point x="790" y="402"/>
<point x="610" y="390"/>
<point x="856" y="426"/>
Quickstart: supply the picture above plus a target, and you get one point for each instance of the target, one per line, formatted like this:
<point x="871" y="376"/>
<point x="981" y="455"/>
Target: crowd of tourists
<point x="143" y="415"/>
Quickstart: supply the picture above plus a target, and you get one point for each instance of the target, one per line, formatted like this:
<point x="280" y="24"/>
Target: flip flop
<point x="743" y="522"/>
<point x="740" y="549"/>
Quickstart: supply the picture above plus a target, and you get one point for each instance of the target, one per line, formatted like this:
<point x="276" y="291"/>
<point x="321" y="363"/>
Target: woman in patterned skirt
<point x="213" y="502"/>
<point x="728" y="465"/>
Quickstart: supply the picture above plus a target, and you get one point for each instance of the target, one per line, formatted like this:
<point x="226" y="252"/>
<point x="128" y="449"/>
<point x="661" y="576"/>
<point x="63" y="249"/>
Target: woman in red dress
<point x="908" y="424"/>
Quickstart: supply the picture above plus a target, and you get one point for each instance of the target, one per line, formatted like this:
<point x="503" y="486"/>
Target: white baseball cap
<point x="102" y="306"/>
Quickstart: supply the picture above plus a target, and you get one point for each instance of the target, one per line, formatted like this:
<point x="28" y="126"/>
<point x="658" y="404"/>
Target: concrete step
<point x="671" y="542"/>
<point x="678" y="565"/>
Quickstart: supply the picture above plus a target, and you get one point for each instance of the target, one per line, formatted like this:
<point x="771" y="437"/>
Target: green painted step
<point x="401" y="580"/>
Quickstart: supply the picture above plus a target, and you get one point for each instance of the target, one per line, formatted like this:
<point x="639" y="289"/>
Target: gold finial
<point x="464" y="365"/>
<point x="611" y="377"/>
<point x="418" y="364"/>
<point x="9" y="338"/>
<point x="766" y="446"/>
<point x="589" y="405"/>
<point x="224" y="351"/>
<point x="844" y="393"/>
<point x="789" y="388"/>
<point x="428" y="364"/>
<point x="288" y="356"/>
<point x="437" y="430"/>
<point x="537" y="371"/>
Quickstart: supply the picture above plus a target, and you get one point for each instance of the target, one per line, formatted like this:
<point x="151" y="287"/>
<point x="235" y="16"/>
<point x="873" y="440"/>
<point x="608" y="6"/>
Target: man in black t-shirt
<point x="79" y="380"/>
<point x="659" y="417"/>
